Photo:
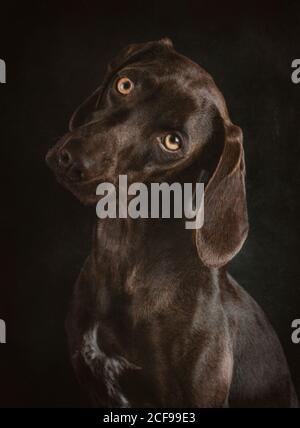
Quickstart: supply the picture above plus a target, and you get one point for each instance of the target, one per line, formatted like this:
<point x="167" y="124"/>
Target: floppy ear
<point x="124" y="55"/>
<point x="225" y="225"/>
<point x="136" y="49"/>
<point x="84" y="113"/>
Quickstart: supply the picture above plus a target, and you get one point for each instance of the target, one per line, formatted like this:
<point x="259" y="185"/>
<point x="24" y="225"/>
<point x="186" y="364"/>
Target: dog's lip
<point x="64" y="179"/>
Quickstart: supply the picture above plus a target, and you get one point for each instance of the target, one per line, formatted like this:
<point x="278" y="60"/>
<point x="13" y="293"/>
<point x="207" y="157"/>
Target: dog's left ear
<point x="225" y="225"/>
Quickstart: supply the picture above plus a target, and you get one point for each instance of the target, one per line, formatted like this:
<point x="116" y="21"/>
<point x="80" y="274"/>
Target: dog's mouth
<point x="82" y="188"/>
<point x="64" y="179"/>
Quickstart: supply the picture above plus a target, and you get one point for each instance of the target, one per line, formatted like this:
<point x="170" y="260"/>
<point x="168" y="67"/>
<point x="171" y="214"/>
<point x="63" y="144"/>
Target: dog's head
<point x="156" y="117"/>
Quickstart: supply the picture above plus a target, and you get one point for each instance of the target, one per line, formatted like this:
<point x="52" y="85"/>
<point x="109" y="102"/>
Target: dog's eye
<point x="124" y="85"/>
<point x="171" y="142"/>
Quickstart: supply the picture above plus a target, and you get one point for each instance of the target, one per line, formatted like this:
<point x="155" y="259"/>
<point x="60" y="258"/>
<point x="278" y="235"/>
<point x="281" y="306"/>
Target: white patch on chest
<point x="108" y="368"/>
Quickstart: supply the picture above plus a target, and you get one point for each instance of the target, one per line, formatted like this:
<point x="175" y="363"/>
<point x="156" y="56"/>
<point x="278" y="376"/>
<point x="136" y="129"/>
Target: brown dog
<point x="155" y="319"/>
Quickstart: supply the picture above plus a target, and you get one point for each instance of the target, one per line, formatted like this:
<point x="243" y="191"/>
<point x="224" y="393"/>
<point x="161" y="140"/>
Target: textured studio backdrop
<point x="54" y="58"/>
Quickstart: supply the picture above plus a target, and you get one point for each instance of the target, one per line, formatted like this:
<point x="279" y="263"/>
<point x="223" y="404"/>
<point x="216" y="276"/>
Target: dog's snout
<point x="70" y="161"/>
<point x="65" y="158"/>
<point x="72" y="167"/>
<point x="77" y="173"/>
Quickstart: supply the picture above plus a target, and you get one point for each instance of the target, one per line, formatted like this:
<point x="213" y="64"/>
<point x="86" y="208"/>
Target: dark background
<point x="55" y="58"/>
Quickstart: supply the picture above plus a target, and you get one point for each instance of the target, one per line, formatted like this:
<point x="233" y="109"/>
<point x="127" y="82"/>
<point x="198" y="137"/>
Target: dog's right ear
<point x="136" y="49"/>
<point x="84" y="113"/>
<point x="124" y="55"/>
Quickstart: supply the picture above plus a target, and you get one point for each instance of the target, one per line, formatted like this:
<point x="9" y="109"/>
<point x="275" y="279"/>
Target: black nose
<point x="72" y="168"/>
<point x="65" y="158"/>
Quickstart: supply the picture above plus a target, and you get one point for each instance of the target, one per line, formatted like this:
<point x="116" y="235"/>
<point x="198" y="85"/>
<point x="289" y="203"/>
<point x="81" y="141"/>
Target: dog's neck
<point x="127" y="250"/>
<point x="143" y="267"/>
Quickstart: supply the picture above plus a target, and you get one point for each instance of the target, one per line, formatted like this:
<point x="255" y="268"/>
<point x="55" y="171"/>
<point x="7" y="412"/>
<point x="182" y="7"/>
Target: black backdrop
<point x="55" y="58"/>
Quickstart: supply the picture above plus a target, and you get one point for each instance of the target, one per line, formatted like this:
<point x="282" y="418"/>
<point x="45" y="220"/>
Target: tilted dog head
<point x="158" y="116"/>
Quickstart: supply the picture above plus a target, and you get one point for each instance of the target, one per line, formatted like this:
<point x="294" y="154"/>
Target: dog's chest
<point x="106" y="369"/>
<point x="125" y="384"/>
<point x="129" y="351"/>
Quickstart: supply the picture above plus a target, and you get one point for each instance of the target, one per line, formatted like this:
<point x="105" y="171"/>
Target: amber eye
<point x="124" y="85"/>
<point x="171" y="142"/>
